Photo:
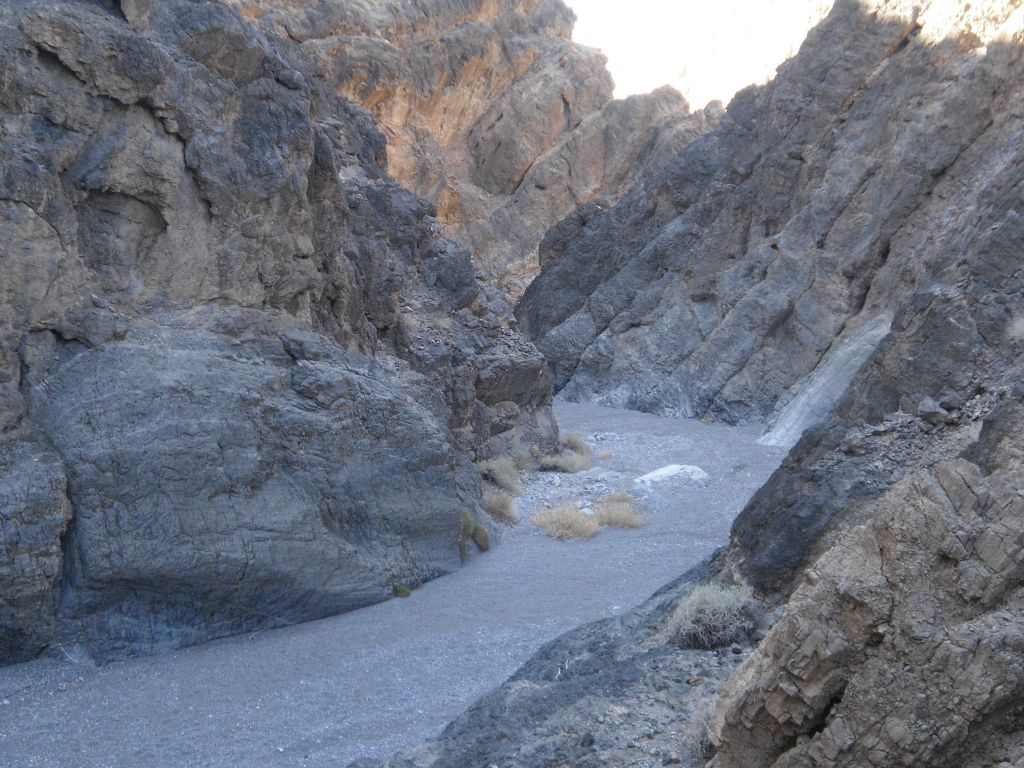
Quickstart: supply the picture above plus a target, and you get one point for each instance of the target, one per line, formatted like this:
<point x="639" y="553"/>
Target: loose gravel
<point x="391" y="676"/>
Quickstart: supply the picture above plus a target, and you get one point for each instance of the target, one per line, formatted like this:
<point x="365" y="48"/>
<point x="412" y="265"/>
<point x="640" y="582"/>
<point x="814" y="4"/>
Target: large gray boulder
<point x="242" y="377"/>
<point x="229" y="477"/>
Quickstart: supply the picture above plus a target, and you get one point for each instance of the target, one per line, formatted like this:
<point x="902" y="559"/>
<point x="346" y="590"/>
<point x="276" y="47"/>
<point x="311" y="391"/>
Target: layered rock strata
<point x="491" y="112"/>
<point x="242" y="376"/>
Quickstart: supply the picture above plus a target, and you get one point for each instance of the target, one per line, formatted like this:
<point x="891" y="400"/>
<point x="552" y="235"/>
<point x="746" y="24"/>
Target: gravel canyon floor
<point x="387" y="677"/>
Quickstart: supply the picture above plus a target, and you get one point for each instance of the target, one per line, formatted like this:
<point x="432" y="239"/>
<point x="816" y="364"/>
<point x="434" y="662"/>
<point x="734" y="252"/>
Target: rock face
<point x="905" y="643"/>
<point x="842" y="254"/>
<point x="818" y="208"/>
<point x="242" y="377"/>
<point x="491" y="112"/>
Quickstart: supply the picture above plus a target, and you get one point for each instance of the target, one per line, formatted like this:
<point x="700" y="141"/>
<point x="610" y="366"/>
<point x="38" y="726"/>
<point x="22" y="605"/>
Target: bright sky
<point x="708" y="49"/>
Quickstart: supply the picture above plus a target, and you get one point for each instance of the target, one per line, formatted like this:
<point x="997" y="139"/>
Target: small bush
<point x="696" y="741"/>
<point x="502" y="473"/>
<point x="471" y="530"/>
<point x="499" y="506"/>
<point x="526" y="458"/>
<point x="575" y="456"/>
<point x="619" y="510"/>
<point x="566" y="523"/>
<point x="712" y="616"/>
<point x="401" y="590"/>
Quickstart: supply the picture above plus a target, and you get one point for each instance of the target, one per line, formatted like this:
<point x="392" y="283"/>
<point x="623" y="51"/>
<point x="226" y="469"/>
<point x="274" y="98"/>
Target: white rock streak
<point x="688" y="472"/>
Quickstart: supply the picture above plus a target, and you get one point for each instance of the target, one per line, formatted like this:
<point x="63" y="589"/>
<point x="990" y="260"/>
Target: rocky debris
<point x="242" y="376"/>
<point x="848" y="190"/>
<point x="491" y="111"/>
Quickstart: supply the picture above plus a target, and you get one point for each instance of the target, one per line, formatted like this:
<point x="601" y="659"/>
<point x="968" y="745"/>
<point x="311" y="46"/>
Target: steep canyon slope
<point x="242" y="376"/>
<point x="842" y="256"/>
<point x="491" y="112"/>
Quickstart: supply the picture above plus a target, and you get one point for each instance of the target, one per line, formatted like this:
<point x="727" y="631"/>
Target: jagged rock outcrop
<point x="242" y="377"/>
<point x="842" y="254"/>
<point x="905" y="643"/>
<point x="491" y="112"/>
<point x="770" y="245"/>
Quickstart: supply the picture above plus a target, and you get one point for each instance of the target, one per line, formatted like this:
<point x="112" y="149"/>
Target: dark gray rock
<point x="34" y="514"/>
<point x="724" y="284"/>
<point x="226" y="479"/>
<point x="259" y="367"/>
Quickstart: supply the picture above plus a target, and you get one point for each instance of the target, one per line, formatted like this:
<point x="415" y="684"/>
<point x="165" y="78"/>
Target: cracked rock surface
<point x="491" y="111"/>
<point x="242" y="376"/>
<point x="840" y="195"/>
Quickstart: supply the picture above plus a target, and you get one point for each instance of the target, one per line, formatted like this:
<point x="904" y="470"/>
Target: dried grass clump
<point x="712" y="616"/>
<point x="619" y="510"/>
<point x="502" y="473"/>
<point x="526" y="457"/>
<point x="471" y="530"/>
<point x="498" y="504"/>
<point x="696" y="740"/>
<point x="575" y="456"/>
<point x="566" y="523"/>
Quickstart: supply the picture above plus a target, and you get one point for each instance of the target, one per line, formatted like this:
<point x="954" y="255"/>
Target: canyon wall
<point x="242" y="375"/>
<point x="716" y="287"/>
<point x="842" y="257"/>
<point x="491" y="112"/>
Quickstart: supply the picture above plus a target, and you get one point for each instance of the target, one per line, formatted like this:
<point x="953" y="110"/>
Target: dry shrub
<point x="712" y="616"/>
<point x="471" y="530"/>
<point x="566" y="522"/>
<point x="526" y="457"/>
<point x="498" y="504"/>
<point x="619" y="510"/>
<point x="575" y="456"/>
<point x="696" y="741"/>
<point x="502" y="473"/>
<point x="606" y="455"/>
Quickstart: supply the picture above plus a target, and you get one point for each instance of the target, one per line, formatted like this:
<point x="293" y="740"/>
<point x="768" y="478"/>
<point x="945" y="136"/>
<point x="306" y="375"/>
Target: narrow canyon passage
<point x="387" y="677"/>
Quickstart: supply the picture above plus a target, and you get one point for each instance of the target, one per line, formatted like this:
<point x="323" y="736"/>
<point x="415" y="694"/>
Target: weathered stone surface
<point x="34" y="513"/>
<point x="867" y="206"/>
<point x="491" y="111"/>
<point x="227" y="478"/>
<point x="246" y="352"/>
<point x="824" y="201"/>
<point x="905" y="643"/>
